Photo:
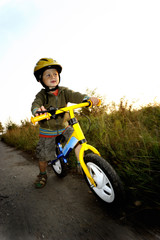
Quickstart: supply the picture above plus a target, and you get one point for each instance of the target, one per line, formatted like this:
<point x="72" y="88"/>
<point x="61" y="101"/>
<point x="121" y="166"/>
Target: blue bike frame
<point x="64" y="152"/>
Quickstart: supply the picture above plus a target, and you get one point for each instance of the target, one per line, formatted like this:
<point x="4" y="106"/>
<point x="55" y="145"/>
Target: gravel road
<point x="64" y="210"/>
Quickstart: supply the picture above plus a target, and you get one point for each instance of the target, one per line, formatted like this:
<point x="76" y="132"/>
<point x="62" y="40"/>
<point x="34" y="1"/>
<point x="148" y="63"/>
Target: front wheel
<point x="108" y="184"/>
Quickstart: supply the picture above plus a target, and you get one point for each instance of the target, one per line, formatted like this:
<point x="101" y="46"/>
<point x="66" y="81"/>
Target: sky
<point x="112" y="46"/>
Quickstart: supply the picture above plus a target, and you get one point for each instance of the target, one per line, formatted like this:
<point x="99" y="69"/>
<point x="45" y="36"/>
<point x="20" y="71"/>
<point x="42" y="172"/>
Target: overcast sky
<point x="110" y="45"/>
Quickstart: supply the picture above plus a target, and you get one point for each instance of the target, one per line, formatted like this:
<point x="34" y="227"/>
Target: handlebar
<point x="53" y="111"/>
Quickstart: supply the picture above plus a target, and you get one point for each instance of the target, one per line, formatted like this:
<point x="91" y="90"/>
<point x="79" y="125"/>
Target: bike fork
<point x="59" y="146"/>
<point x="84" y="148"/>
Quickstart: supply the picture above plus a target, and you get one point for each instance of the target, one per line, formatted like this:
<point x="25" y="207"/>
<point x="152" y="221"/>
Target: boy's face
<point x="51" y="78"/>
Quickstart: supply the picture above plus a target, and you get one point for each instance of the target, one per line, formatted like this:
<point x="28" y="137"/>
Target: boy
<point x="47" y="72"/>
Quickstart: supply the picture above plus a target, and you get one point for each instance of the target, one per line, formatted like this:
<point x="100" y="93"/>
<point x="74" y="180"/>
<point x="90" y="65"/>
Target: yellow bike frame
<point x="78" y="134"/>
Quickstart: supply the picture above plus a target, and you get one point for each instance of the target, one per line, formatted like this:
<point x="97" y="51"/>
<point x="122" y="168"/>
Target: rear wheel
<point x="60" y="168"/>
<point x="108" y="184"/>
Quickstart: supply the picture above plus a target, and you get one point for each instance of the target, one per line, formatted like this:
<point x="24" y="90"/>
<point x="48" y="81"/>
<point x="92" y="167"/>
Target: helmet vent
<point x="43" y="59"/>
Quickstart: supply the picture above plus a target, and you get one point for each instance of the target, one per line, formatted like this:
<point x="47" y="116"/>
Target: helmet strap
<point x="51" y="89"/>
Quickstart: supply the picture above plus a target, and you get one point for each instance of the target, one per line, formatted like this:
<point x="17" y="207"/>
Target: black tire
<point x="109" y="187"/>
<point x="60" y="168"/>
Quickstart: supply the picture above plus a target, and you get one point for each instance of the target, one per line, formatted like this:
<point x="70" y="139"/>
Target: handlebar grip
<point x="90" y="103"/>
<point x="40" y="117"/>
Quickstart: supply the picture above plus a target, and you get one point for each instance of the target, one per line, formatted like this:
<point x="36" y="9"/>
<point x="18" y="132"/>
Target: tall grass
<point x="128" y="139"/>
<point x="24" y="137"/>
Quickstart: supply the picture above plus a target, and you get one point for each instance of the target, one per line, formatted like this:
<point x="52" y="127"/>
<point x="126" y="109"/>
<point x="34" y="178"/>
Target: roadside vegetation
<point x="129" y="139"/>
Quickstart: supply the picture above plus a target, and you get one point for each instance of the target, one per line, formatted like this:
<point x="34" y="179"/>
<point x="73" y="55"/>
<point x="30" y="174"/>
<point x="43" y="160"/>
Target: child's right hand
<point x="42" y="108"/>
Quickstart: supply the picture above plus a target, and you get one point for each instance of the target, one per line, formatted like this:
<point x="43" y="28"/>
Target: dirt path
<point x="63" y="210"/>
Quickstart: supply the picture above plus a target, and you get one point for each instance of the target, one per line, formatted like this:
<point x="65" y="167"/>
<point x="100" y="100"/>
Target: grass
<point x="128" y="139"/>
<point x="24" y="137"/>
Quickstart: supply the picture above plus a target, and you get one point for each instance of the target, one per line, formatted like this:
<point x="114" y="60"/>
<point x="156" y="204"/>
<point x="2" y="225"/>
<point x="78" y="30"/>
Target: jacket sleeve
<point x="38" y="102"/>
<point x="75" y="97"/>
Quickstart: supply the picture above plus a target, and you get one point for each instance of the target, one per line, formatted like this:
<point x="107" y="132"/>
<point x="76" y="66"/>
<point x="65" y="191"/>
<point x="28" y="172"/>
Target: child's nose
<point x="52" y="76"/>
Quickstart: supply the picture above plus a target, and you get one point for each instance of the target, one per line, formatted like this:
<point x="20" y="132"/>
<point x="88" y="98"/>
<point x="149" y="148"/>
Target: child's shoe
<point x="41" y="180"/>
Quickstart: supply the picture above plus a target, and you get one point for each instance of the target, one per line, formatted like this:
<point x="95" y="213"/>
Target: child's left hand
<point x="94" y="100"/>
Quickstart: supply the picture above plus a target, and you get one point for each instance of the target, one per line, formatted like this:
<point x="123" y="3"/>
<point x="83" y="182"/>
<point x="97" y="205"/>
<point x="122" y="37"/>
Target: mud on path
<point x="63" y="210"/>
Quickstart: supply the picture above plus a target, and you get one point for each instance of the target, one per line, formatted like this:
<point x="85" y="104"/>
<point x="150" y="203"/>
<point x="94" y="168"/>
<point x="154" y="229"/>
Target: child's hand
<point x="94" y="100"/>
<point x="42" y="108"/>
